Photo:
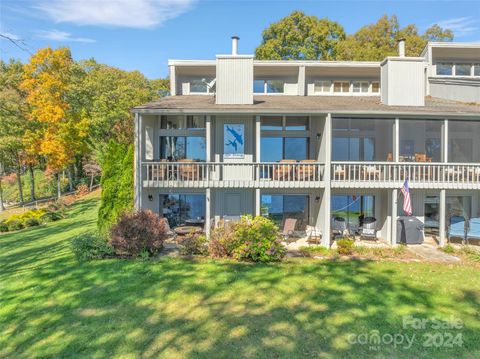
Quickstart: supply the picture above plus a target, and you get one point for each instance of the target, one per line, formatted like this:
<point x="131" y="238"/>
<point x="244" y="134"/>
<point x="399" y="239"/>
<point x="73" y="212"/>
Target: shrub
<point x="345" y="246"/>
<point x="3" y="227"/>
<point x="15" y="225"/>
<point x="32" y="222"/>
<point x="193" y="244"/>
<point x="260" y="240"/>
<point x="117" y="184"/>
<point x="223" y="241"/>
<point x="134" y="232"/>
<point x="90" y="245"/>
<point x="52" y="217"/>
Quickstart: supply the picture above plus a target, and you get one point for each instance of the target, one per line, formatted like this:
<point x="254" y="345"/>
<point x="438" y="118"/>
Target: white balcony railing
<point x="208" y="174"/>
<point x="450" y="175"/>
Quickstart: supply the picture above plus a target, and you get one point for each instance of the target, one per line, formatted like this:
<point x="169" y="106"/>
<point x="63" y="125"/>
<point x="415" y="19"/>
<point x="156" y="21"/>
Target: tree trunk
<point x="91" y="182"/>
<point x="32" y="182"/>
<point x="59" y="185"/>
<point x="19" y="182"/>
<point x="70" y="178"/>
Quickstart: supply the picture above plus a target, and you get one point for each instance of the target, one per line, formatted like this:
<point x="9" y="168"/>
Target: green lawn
<point x="52" y="306"/>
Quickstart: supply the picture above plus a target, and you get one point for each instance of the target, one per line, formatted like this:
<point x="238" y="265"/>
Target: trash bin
<point x="409" y="230"/>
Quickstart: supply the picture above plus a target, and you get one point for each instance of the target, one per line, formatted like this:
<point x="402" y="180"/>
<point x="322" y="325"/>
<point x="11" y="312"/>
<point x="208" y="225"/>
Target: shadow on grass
<point x="54" y="306"/>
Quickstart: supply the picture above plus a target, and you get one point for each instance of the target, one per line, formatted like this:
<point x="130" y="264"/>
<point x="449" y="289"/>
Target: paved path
<point x="432" y="253"/>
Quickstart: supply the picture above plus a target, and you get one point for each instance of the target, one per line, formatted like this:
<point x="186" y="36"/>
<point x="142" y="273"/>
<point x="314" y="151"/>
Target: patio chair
<point x="369" y="228"/>
<point x="189" y="171"/>
<point x="289" y="229"/>
<point x="420" y="157"/>
<point x="457" y="228"/>
<point x="159" y="172"/>
<point x="473" y="229"/>
<point x="306" y="172"/>
<point x="371" y="172"/>
<point x="339" y="227"/>
<point x="314" y="235"/>
<point x="454" y="173"/>
<point x="339" y="172"/>
<point x="284" y="171"/>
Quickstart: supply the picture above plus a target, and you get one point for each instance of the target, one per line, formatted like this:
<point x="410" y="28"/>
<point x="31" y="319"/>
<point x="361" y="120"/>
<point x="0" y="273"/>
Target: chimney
<point x="235" y="45"/>
<point x="401" y="47"/>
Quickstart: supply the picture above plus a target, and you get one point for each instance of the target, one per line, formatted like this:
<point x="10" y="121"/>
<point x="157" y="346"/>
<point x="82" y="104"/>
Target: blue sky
<point x="144" y="34"/>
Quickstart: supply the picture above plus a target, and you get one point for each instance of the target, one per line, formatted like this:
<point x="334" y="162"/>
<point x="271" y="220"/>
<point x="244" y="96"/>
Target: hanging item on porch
<point x="234" y="140"/>
<point x="407" y="204"/>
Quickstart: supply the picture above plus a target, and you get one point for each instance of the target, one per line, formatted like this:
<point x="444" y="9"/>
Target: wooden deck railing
<point x="165" y="174"/>
<point x="453" y="173"/>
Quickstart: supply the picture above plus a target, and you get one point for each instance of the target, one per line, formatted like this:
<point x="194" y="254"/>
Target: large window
<point x="458" y="206"/>
<point x="174" y="148"/>
<point x="179" y="208"/>
<point x="280" y="207"/>
<point x="444" y="69"/>
<point x="420" y="141"/>
<point x="362" y="139"/>
<point x="353" y="208"/>
<point x="274" y="149"/>
<point x="201" y="86"/>
<point x="476" y="70"/>
<point x="463" y="141"/>
<point x="268" y="86"/>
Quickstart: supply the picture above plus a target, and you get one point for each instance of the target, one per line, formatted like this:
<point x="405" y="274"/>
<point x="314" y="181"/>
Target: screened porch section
<point x="362" y="139"/>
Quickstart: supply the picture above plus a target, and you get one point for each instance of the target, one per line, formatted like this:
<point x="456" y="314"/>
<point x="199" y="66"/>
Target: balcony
<point x="392" y="175"/>
<point x="232" y="175"/>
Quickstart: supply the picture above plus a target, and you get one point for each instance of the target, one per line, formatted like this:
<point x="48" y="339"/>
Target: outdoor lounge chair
<point x="339" y="172"/>
<point x="284" y="170"/>
<point x="189" y="170"/>
<point x="305" y="171"/>
<point x="289" y="229"/>
<point x="473" y="229"/>
<point x="371" y="172"/>
<point x="456" y="228"/>
<point x="369" y="228"/>
<point x="339" y="227"/>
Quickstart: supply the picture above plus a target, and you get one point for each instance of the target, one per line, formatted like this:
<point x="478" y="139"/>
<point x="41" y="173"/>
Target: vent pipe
<point x="235" y="45"/>
<point x="401" y="47"/>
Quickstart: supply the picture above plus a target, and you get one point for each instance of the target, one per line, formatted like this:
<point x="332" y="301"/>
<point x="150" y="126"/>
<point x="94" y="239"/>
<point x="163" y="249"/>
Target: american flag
<point x="407" y="203"/>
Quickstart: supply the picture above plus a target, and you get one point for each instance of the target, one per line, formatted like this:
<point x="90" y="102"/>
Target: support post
<point x="396" y="140"/>
<point x="207" y="212"/>
<point x="445" y="141"/>
<point x="257" y="202"/>
<point x="138" y="162"/>
<point x="393" y="231"/>
<point x="326" y="200"/>
<point x="442" y="219"/>
<point x="208" y="138"/>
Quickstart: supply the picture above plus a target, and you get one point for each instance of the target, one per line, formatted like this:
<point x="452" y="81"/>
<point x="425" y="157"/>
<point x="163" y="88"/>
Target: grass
<point x="53" y="306"/>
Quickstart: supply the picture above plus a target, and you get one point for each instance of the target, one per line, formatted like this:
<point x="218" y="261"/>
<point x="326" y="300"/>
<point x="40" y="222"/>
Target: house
<point x="313" y="140"/>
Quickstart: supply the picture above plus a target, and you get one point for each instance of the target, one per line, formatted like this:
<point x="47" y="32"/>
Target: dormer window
<point x="201" y="86"/>
<point x="323" y="86"/>
<point x="270" y="86"/>
<point x="444" y="69"/>
<point x="341" y="87"/>
<point x="360" y="86"/>
<point x="463" y="69"/>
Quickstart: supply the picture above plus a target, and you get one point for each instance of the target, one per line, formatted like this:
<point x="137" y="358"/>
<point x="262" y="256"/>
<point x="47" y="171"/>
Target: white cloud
<point x="61" y="36"/>
<point x="119" y="13"/>
<point x="461" y="26"/>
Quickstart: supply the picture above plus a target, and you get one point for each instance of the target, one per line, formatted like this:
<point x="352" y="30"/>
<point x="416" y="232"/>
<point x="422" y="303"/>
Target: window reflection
<point x="280" y="207"/>
<point x="174" y="148"/>
<point x="179" y="208"/>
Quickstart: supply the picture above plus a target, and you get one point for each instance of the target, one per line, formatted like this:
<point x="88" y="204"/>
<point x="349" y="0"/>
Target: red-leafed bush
<point x="138" y="232"/>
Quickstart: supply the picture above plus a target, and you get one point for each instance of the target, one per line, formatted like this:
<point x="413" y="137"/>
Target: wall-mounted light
<point x="150" y="198"/>
<point x="319" y="135"/>
<point x="317" y="199"/>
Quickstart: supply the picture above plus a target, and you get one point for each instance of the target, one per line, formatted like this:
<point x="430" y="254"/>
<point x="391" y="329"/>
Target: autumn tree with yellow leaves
<point x="61" y="130"/>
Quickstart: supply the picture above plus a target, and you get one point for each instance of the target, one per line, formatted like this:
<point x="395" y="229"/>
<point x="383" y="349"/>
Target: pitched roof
<point x="306" y="104"/>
